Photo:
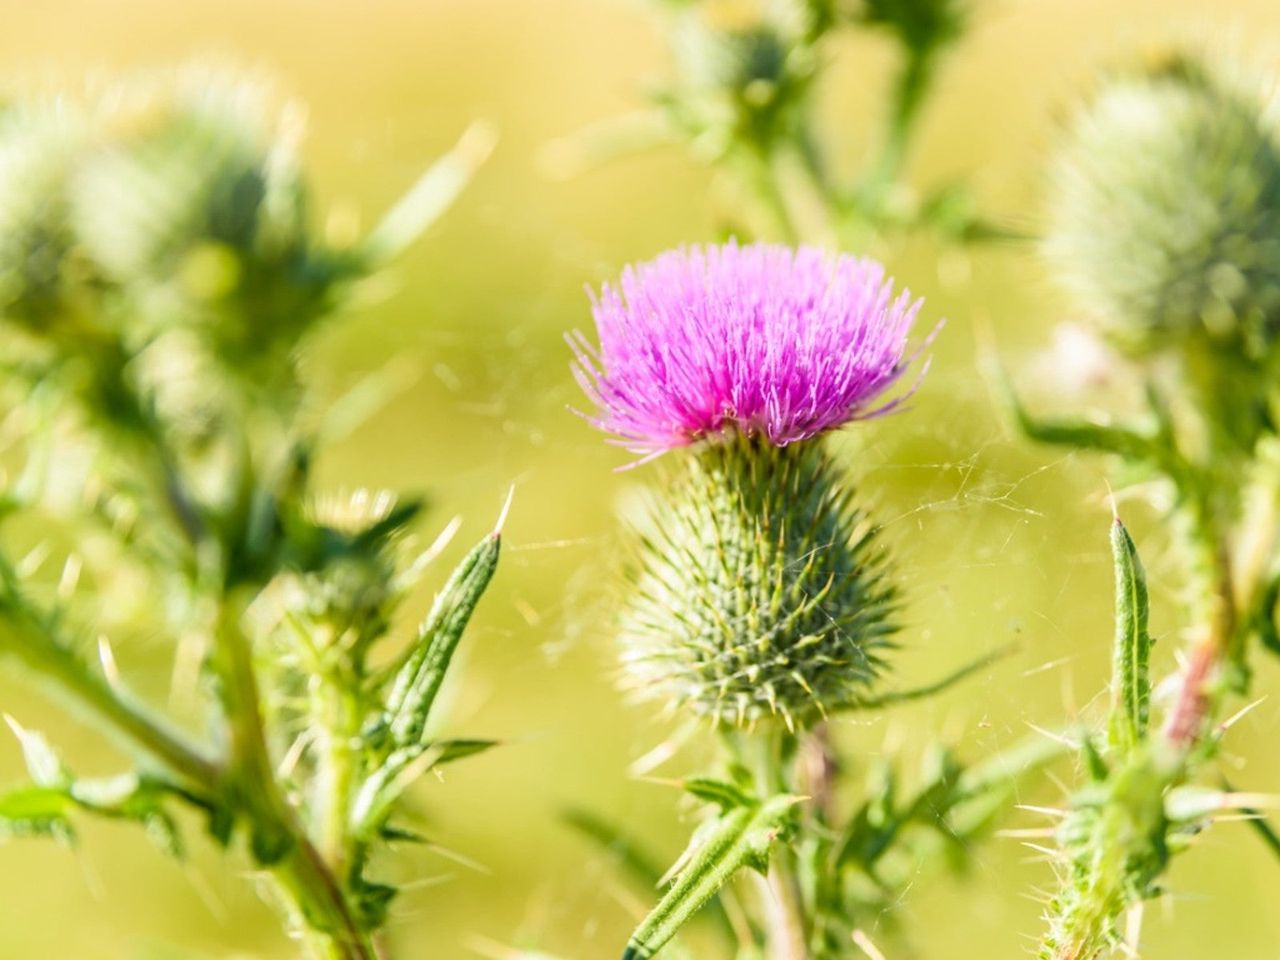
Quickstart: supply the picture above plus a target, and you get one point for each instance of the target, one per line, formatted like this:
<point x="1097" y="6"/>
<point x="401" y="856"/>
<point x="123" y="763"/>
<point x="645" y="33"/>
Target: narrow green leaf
<point x="451" y="750"/>
<point x="1264" y="620"/>
<point x="45" y="809"/>
<point x="959" y="675"/>
<point x="1266" y="833"/>
<point x="430" y="197"/>
<point x="1129" y="443"/>
<point x="36" y="812"/>
<point x="384" y="786"/>
<point x="738" y="838"/>
<point x="631" y="857"/>
<point x="1094" y="763"/>
<point x="1130" y="679"/>
<point x="723" y="794"/>
<point x="418" y="680"/>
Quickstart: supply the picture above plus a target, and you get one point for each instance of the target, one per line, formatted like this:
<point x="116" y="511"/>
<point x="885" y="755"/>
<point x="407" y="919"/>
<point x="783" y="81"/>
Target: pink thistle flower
<point x="762" y="339"/>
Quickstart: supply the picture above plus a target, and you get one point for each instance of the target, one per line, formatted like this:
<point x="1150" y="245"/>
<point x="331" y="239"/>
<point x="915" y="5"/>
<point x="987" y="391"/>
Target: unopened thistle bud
<point x="743" y="69"/>
<point x="189" y="164"/>
<point x="1165" y="209"/>
<point x="354" y="590"/>
<point x="37" y="148"/>
<point x="194" y="205"/>
<point x="758" y="590"/>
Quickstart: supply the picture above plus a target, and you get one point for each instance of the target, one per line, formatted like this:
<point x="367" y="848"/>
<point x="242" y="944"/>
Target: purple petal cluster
<point x="763" y="339"/>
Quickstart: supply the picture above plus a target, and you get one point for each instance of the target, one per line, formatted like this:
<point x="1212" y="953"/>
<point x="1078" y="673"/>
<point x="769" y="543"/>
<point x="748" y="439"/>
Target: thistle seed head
<point x="1164" y="214"/>
<point x="758" y="593"/>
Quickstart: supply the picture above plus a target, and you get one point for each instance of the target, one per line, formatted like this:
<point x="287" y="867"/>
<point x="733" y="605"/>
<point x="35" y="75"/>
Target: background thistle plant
<point x="1164" y="207"/>
<point x="748" y="77"/>
<point x="159" y="273"/>
<point x="1170" y="173"/>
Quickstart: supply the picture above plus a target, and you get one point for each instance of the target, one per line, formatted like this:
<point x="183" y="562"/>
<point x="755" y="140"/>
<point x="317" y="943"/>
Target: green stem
<point x="786" y="927"/>
<point x="757" y="172"/>
<point x="909" y="90"/>
<point x="785" y="917"/>
<point x="337" y="719"/>
<point x="332" y="932"/>
<point x="26" y="638"/>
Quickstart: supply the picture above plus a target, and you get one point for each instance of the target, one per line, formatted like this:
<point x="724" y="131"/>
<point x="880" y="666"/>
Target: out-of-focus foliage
<point x="749" y="75"/>
<point x="1164" y="220"/>
<point x="1004" y="541"/>
<point x="159" y="274"/>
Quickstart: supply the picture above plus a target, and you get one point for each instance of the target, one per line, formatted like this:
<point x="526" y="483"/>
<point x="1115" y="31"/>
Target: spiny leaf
<point x="630" y="856"/>
<point x="957" y="676"/>
<point x="46" y="809"/>
<point x="1130" y="680"/>
<point x="1130" y="443"/>
<point x="1266" y="833"/>
<point x="738" y="838"/>
<point x="385" y="785"/>
<point x="416" y="683"/>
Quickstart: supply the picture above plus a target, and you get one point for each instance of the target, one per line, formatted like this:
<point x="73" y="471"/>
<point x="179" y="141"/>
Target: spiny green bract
<point x="1165" y="208"/>
<point x="758" y="592"/>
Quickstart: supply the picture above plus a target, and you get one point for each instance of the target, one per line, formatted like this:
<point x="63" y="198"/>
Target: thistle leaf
<point x="36" y="812"/>
<point x="723" y="794"/>
<point x="451" y="750"/>
<point x="417" y="681"/>
<point x="45" y="809"/>
<point x="1130" y="680"/>
<point x="385" y="785"/>
<point x="740" y="837"/>
<point x="430" y="197"/>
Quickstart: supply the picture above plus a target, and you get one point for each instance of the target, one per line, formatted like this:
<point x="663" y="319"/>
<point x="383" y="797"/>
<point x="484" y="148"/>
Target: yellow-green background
<point x="996" y="542"/>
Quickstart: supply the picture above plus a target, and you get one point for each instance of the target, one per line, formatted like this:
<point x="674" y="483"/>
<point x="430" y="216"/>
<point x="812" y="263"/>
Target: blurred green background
<point x="996" y="542"/>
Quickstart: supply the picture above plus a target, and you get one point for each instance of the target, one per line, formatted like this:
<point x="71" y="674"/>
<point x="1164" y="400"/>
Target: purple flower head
<point x="763" y="339"/>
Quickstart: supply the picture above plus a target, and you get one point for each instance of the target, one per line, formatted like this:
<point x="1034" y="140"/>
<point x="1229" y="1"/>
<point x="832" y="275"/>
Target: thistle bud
<point x="757" y="591"/>
<point x="1165" y="209"/>
<point x="186" y="166"/>
<point x="37" y="149"/>
<point x="742" y="68"/>
<point x="195" y="206"/>
<point x="347" y="586"/>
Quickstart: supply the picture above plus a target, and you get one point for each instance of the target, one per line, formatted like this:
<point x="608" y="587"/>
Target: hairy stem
<point x="331" y="929"/>
<point x="784" y="915"/>
<point x="24" y="637"/>
<point x="786" y="928"/>
<point x="337" y="720"/>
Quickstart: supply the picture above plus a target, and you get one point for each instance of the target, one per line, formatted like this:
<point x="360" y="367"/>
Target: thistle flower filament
<point x="765" y="340"/>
